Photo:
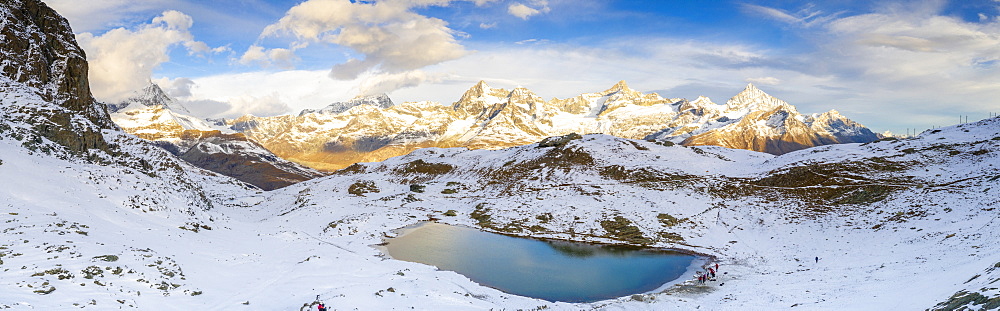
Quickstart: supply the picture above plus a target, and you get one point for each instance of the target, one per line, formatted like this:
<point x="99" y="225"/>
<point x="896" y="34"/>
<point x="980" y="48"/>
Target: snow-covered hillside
<point x="887" y="220"/>
<point x="93" y="218"/>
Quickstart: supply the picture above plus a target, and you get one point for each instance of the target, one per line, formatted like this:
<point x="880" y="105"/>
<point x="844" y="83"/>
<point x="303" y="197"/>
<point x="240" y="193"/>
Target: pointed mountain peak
<point x="153" y="90"/>
<point x="149" y="96"/>
<point x="481" y="85"/>
<point x="751" y="91"/>
<point x="479" y="90"/>
<point x="618" y="87"/>
<point x="753" y="98"/>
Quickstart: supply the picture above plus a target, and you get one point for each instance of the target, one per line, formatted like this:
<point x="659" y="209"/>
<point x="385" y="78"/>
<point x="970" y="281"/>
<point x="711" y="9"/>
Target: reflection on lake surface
<point x="550" y="270"/>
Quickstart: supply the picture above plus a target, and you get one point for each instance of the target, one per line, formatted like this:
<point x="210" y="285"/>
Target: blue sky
<point x="890" y="65"/>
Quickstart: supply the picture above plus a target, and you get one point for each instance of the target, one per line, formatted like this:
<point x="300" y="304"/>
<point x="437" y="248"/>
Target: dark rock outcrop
<point x="39" y="52"/>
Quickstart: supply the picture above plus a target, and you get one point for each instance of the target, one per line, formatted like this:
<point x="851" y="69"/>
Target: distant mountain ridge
<point x="370" y="129"/>
<point x="152" y="115"/>
<point x="381" y="101"/>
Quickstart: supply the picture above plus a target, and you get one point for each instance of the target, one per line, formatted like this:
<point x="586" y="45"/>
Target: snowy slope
<point x="279" y="250"/>
<point x="120" y="224"/>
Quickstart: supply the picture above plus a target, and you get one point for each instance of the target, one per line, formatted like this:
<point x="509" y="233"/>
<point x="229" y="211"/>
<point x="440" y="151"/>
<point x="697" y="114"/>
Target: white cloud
<point x="388" y="34"/>
<point x="175" y="20"/>
<point x="175" y="88"/>
<point x="279" y="58"/>
<point x="487" y="25"/>
<point x="523" y="11"/>
<point x="235" y="107"/>
<point x="387" y="82"/>
<point x="297" y="89"/>
<point x="269" y="104"/>
<point x="123" y="60"/>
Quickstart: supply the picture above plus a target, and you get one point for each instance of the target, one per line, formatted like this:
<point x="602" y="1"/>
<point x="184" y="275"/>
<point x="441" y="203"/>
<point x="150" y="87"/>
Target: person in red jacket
<point x="322" y="307"/>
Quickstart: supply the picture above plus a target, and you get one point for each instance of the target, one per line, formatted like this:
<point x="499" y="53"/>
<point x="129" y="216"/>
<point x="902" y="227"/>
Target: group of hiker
<point x="708" y="275"/>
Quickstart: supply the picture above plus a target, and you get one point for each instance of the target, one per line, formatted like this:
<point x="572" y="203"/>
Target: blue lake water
<point x="545" y="269"/>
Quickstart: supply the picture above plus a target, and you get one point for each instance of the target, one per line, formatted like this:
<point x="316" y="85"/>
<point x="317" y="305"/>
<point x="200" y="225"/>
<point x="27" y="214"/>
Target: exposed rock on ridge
<point x="381" y="101"/>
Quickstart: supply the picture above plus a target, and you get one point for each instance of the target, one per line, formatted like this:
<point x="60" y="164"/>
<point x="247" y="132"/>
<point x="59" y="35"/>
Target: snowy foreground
<point x="80" y="235"/>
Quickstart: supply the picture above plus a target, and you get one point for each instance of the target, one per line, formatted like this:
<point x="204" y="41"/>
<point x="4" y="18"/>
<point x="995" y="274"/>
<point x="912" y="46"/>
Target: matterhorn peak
<point x="150" y="96"/>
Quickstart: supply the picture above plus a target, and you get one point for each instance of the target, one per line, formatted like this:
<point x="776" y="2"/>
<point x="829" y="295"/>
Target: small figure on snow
<point x="817" y="259"/>
<point x="716" y="266"/>
<point x="322" y="307"/>
<point x="711" y="272"/>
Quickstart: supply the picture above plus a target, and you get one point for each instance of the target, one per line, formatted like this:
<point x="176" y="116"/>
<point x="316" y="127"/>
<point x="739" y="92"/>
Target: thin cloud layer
<point x="94" y="15"/>
<point x="904" y="58"/>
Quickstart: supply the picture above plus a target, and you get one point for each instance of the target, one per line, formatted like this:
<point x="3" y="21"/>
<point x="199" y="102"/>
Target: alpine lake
<point x="551" y="270"/>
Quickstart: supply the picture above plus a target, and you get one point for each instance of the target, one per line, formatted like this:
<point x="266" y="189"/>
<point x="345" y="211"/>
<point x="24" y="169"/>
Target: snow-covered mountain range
<point x="152" y="115"/>
<point x="373" y="129"/>
<point x="94" y="218"/>
<point x="380" y="101"/>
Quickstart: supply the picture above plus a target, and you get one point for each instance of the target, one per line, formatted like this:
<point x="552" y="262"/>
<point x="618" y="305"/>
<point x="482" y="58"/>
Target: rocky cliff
<point x="41" y="60"/>
<point x="46" y="106"/>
